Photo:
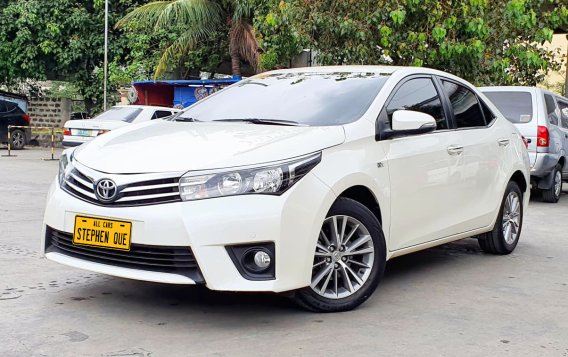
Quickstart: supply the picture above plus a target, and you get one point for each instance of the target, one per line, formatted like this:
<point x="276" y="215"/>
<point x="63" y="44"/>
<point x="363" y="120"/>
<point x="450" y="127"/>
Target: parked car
<point x="12" y="114"/>
<point x="542" y="118"/>
<point x="77" y="132"/>
<point x="303" y="181"/>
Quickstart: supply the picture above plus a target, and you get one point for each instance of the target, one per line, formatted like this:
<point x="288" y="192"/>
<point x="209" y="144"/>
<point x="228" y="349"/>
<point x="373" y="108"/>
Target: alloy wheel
<point x="17" y="139"/>
<point x="511" y="217"/>
<point x="557" y="183"/>
<point x="344" y="257"/>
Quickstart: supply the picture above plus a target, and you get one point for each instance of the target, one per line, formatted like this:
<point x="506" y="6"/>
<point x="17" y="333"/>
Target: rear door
<point x="520" y="107"/>
<point x="485" y="143"/>
<point x="557" y="136"/>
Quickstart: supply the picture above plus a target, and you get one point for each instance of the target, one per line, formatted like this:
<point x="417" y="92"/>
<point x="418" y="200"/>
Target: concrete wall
<point x="554" y="80"/>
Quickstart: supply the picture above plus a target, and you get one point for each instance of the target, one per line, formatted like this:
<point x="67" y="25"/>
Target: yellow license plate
<point x="104" y="233"/>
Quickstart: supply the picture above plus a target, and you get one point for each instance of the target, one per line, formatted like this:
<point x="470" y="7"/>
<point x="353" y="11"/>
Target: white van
<point x="542" y="118"/>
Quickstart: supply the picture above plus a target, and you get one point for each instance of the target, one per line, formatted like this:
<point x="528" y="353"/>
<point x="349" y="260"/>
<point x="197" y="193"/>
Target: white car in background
<point x="77" y="132"/>
<point x="303" y="181"/>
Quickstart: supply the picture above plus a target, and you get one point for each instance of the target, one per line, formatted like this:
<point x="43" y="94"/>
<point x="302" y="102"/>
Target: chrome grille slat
<point x="149" y="187"/>
<point x="146" y="197"/>
<point x="81" y="180"/>
<point x="139" y="192"/>
<point x="81" y="191"/>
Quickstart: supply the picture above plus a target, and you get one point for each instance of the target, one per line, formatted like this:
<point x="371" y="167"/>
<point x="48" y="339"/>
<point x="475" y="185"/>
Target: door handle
<point x="503" y="142"/>
<point x="455" y="149"/>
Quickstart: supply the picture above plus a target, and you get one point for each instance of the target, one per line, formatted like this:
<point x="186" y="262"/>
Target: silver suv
<point x="542" y="118"/>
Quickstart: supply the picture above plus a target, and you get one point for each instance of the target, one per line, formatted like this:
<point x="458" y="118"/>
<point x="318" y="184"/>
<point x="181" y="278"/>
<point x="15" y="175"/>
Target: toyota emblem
<point x="106" y="190"/>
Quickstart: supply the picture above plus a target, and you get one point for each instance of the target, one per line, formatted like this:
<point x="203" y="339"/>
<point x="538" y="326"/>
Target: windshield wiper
<point x="264" y="121"/>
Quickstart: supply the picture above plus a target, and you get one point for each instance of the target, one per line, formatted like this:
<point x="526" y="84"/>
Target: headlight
<point x="64" y="163"/>
<point x="270" y="179"/>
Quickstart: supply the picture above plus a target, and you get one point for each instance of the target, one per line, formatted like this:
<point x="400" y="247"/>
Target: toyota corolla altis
<point x="303" y="181"/>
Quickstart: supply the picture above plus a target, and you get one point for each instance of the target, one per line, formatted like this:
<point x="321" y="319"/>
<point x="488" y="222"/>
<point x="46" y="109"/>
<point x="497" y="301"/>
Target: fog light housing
<point x="254" y="261"/>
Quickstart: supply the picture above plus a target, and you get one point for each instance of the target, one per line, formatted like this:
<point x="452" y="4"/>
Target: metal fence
<point x="38" y="129"/>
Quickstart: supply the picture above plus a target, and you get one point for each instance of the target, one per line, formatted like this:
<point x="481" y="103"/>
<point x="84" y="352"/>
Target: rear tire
<point x="18" y="138"/>
<point x="349" y="260"/>
<point x="552" y="195"/>
<point x="505" y="235"/>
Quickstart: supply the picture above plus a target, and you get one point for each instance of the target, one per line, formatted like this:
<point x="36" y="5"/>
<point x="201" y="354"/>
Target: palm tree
<point x="200" y="19"/>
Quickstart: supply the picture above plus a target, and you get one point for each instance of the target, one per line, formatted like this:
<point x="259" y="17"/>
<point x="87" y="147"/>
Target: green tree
<point x="201" y="21"/>
<point x="63" y="40"/>
<point x="484" y="41"/>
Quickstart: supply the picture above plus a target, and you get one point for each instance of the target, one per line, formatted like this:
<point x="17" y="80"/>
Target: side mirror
<point x="408" y="122"/>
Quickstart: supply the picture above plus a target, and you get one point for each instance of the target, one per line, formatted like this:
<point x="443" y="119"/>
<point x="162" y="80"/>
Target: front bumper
<point x="291" y="221"/>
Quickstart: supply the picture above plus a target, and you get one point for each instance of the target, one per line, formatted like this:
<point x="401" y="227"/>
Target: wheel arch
<point x="365" y="196"/>
<point x="519" y="178"/>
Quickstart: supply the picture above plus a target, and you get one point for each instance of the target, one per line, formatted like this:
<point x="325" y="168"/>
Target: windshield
<point x="119" y="114"/>
<point x="308" y="98"/>
<point x="515" y="106"/>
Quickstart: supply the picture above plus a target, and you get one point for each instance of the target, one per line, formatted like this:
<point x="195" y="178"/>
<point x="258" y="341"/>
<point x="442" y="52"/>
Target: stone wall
<point x="48" y="112"/>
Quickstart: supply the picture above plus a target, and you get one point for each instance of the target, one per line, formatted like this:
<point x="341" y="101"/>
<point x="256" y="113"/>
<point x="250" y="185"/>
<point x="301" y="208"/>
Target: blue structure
<point x="178" y="93"/>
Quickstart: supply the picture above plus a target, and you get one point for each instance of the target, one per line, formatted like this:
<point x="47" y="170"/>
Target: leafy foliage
<point x="485" y="41"/>
<point x="199" y="21"/>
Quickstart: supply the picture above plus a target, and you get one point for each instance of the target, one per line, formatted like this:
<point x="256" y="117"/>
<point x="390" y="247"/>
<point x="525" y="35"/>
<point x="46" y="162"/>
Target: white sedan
<point x="304" y="181"/>
<point x="77" y="132"/>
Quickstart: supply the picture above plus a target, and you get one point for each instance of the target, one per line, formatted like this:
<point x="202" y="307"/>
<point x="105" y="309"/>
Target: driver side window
<point x="420" y="95"/>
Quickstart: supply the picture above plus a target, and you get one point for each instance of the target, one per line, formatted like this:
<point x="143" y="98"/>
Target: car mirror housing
<point x="408" y="122"/>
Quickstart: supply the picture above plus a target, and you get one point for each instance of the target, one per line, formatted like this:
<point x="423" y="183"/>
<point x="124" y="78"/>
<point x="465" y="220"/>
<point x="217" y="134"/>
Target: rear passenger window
<point x="3" y="108"/>
<point x="563" y="106"/>
<point x="551" y="109"/>
<point x="420" y="95"/>
<point x="161" y="114"/>
<point x="467" y="110"/>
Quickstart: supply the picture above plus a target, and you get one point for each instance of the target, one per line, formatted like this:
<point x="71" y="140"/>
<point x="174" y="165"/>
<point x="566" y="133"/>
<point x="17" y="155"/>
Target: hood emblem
<point x="106" y="190"/>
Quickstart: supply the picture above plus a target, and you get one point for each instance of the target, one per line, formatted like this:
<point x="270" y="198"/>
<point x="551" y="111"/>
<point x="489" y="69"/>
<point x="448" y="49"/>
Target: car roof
<point x="382" y="69"/>
<point x="519" y="89"/>
<point x="359" y="68"/>
<point x="151" y="107"/>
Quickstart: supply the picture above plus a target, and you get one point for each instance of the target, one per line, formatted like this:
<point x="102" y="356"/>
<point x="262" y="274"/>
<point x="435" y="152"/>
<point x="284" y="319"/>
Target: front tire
<point x="505" y="235"/>
<point x="349" y="260"/>
<point x="552" y="195"/>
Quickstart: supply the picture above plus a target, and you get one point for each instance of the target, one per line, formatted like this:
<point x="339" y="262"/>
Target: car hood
<point x="95" y="124"/>
<point x="167" y="146"/>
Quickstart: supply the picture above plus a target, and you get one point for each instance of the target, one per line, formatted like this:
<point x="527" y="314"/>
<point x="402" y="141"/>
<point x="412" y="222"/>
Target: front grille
<point x="163" y="190"/>
<point x="163" y="259"/>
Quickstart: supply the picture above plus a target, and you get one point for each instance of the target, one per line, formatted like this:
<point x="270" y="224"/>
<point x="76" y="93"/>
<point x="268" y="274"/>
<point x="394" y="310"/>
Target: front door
<point x="424" y="169"/>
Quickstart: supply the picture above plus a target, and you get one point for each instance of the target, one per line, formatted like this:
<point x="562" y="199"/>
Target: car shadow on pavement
<point x="170" y="301"/>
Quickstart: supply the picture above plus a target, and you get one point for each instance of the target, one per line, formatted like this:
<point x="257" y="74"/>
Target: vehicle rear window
<point x="120" y="114"/>
<point x="515" y="106"/>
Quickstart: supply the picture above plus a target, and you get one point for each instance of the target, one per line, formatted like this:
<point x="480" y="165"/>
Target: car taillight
<point x="66" y="132"/>
<point x="525" y="141"/>
<point x="101" y="132"/>
<point x="26" y="118"/>
<point x="543" y="137"/>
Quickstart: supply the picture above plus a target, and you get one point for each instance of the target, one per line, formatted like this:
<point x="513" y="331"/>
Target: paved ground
<point x="447" y="301"/>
